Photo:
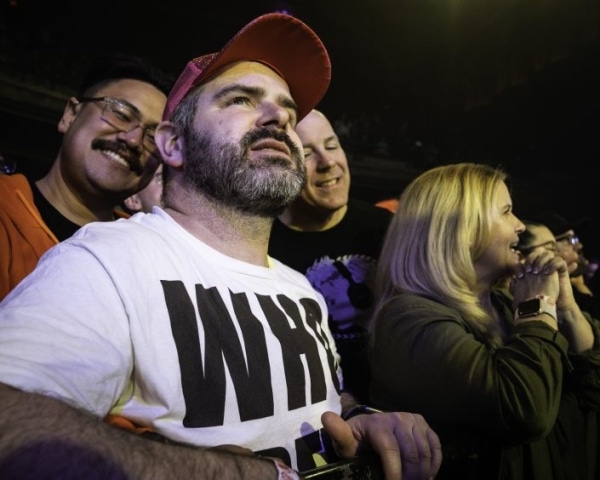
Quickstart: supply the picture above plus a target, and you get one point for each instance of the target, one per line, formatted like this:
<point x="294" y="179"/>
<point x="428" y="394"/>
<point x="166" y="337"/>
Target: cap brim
<point x="280" y="41"/>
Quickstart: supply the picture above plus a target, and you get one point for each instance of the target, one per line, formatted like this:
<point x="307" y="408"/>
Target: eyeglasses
<point x="550" y="246"/>
<point x="569" y="237"/>
<point x="124" y="118"/>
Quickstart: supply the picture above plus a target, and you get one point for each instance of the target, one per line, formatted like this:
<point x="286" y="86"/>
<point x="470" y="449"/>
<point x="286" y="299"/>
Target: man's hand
<point x="407" y="447"/>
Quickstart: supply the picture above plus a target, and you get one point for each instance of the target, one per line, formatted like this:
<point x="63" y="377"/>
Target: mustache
<point x="131" y="156"/>
<point x="262" y="133"/>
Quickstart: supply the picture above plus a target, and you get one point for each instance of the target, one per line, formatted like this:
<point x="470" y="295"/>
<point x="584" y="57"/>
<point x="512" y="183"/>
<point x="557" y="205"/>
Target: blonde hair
<point x="442" y="225"/>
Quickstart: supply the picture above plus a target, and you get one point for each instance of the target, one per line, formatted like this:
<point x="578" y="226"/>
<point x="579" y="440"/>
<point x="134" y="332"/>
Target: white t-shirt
<point x="138" y="317"/>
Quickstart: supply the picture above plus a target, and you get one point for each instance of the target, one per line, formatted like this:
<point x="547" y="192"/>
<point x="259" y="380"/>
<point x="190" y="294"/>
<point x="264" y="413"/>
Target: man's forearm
<point x="40" y="435"/>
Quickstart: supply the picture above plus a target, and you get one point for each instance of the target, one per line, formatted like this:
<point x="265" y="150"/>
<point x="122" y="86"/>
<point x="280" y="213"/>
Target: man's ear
<point x="70" y="112"/>
<point x="169" y="143"/>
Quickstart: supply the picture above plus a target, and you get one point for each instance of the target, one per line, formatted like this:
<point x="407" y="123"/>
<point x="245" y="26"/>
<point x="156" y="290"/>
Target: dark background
<point x="418" y="82"/>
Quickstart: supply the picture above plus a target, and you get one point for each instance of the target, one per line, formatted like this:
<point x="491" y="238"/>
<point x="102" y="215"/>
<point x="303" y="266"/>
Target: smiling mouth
<point x="130" y="163"/>
<point x="116" y="157"/>
<point x="328" y="183"/>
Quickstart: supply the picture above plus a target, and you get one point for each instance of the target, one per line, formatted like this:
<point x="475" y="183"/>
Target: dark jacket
<point x="524" y="411"/>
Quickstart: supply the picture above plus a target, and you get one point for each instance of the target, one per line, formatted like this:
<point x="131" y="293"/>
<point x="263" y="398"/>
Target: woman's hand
<point x="538" y="274"/>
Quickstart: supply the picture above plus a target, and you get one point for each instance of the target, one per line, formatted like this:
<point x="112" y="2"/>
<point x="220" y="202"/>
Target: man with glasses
<point x="560" y="234"/>
<point x="568" y="244"/>
<point x="536" y="237"/>
<point x="107" y="153"/>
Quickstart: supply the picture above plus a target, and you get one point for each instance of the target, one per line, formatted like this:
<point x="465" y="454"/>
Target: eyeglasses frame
<point x="571" y="238"/>
<point x="529" y="249"/>
<point x="112" y="101"/>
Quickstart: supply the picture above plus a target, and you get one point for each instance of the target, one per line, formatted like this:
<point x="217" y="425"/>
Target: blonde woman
<point x="510" y="381"/>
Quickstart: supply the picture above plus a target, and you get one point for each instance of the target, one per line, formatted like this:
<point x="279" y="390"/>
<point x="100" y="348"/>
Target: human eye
<point x="293" y="117"/>
<point x="121" y="111"/>
<point x="332" y="146"/>
<point x="150" y="135"/>
<point x="508" y="210"/>
<point x="239" y="100"/>
<point x="307" y="152"/>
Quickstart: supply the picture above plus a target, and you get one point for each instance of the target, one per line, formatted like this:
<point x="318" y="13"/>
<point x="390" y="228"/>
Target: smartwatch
<point x="536" y="306"/>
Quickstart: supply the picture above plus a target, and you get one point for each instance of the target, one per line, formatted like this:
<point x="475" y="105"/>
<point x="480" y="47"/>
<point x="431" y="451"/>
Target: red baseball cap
<point x="280" y="41"/>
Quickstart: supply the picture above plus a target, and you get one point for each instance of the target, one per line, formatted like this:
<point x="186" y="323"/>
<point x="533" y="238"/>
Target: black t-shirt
<point x="360" y="232"/>
<point x="340" y="264"/>
<point x="60" y="226"/>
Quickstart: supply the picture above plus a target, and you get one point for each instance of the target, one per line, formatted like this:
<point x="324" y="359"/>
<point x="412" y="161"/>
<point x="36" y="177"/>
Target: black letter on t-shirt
<point x="204" y="387"/>
<point x="296" y="342"/>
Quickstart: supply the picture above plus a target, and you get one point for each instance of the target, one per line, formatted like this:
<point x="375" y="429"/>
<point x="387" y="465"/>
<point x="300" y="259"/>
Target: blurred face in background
<point x="542" y="239"/>
<point x="146" y="198"/>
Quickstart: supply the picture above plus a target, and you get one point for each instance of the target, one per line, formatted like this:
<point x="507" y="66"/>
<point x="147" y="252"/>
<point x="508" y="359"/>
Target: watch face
<point x="529" y="307"/>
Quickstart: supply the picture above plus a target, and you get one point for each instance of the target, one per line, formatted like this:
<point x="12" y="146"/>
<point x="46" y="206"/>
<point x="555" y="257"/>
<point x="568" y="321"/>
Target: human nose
<point x="520" y="226"/>
<point x="275" y="114"/>
<point x="325" y="160"/>
<point x="134" y="136"/>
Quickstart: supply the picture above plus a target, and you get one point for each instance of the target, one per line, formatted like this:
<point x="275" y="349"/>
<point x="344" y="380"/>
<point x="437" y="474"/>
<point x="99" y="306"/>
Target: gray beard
<point x="225" y="172"/>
